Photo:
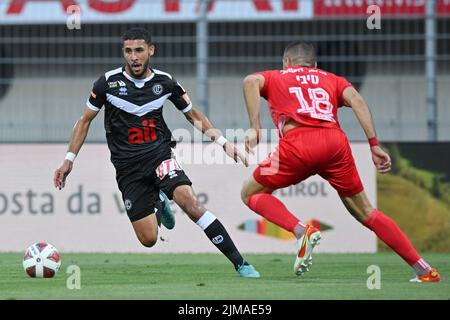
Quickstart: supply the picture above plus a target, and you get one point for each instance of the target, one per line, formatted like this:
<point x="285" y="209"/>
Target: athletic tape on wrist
<point x="71" y="156"/>
<point x="221" y="141"/>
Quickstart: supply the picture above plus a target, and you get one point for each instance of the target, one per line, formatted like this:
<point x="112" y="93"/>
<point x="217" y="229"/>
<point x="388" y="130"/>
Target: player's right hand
<point x="233" y="152"/>
<point x="251" y="140"/>
<point x="381" y="159"/>
<point x="59" y="178"/>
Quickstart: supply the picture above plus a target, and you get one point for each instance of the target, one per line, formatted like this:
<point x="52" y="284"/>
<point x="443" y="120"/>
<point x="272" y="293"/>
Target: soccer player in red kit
<point x="303" y="102"/>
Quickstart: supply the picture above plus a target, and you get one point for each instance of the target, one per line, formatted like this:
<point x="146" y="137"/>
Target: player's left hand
<point x="233" y="152"/>
<point x="381" y="159"/>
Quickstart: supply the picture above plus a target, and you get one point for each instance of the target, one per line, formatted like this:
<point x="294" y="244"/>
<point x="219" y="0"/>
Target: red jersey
<point x="309" y="96"/>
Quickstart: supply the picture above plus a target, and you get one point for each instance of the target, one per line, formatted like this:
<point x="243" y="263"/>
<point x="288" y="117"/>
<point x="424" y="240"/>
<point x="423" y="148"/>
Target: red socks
<point x="389" y="232"/>
<point x="384" y="227"/>
<point x="273" y="210"/>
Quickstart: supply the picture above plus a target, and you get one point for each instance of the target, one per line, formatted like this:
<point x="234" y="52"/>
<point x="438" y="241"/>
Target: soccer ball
<point x="41" y="260"/>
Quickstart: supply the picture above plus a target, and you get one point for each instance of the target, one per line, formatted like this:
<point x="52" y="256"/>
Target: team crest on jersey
<point x="157" y="89"/>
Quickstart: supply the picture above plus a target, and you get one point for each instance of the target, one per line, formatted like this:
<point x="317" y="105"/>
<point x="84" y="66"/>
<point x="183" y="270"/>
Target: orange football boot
<point x="305" y="246"/>
<point x="431" y="276"/>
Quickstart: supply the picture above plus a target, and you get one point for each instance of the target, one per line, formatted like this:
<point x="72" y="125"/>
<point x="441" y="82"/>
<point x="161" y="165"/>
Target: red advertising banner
<point x="388" y="7"/>
<point x="121" y="11"/>
<point x="106" y="11"/>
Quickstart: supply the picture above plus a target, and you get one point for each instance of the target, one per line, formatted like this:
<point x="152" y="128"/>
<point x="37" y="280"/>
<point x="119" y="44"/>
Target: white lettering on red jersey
<point x="309" y="96"/>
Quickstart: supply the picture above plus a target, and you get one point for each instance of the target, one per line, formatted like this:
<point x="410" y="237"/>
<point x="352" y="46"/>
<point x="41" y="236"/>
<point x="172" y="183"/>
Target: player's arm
<point x="252" y="94"/>
<point x="79" y="133"/>
<point x="202" y="123"/>
<point x="354" y="100"/>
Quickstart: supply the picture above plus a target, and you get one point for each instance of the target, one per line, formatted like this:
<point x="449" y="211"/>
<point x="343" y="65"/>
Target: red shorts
<point x="306" y="151"/>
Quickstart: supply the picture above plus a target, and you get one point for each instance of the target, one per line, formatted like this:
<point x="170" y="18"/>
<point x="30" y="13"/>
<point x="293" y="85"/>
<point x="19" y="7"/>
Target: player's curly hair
<point x="301" y="53"/>
<point x="137" y="34"/>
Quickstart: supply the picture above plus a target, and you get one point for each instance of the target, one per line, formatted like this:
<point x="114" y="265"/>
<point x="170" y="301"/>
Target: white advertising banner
<point x="104" y="11"/>
<point x="88" y="215"/>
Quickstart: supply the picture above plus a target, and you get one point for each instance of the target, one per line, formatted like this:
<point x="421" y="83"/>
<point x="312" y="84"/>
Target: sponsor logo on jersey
<point x="142" y="135"/>
<point x="123" y="91"/>
<point x="157" y="89"/>
<point x="168" y="167"/>
<point x="115" y="84"/>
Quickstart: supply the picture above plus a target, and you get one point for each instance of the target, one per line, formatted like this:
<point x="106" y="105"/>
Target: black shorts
<point x="140" y="185"/>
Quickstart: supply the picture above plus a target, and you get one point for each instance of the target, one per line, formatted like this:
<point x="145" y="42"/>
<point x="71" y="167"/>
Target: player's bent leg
<point x="259" y="198"/>
<point x="389" y="232"/>
<point x="252" y="187"/>
<point x="146" y="230"/>
<point x="359" y="206"/>
<point x="185" y="197"/>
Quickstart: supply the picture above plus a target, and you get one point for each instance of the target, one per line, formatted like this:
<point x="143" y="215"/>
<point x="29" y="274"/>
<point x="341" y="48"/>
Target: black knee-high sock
<point x="219" y="236"/>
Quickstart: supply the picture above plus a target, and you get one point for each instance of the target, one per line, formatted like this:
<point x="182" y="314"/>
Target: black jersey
<point x="134" y="123"/>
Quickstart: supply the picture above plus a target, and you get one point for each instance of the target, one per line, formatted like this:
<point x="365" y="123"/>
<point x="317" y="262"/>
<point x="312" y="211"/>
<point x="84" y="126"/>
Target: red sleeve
<point x="267" y="75"/>
<point x="341" y="84"/>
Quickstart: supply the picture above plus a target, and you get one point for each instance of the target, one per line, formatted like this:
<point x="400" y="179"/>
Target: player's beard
<point x="142" y="73"/>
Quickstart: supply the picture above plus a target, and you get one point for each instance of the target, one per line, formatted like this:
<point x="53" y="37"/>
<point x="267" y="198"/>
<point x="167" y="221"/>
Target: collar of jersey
<point x="138" y="82"/>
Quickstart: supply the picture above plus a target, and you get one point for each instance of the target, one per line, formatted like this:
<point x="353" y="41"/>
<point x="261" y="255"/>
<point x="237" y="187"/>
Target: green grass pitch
<point x="211" y="276"/>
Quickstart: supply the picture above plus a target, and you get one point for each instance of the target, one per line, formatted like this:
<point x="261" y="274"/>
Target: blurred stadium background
<point x="47" y="69"/>
<point x="402" y="69"/>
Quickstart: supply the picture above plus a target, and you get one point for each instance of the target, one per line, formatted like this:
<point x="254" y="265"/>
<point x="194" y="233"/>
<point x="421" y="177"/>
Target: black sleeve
<point x="97" y="98"/>
<point x="180" y="98"/>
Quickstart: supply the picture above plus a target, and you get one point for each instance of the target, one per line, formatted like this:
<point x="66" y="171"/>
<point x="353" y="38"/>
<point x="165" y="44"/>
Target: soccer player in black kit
<point x="141" y="145"/>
